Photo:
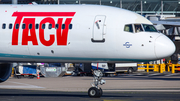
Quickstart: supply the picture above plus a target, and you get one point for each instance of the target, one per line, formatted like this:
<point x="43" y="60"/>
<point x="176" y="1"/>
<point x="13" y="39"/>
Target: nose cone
<point x="164" y="47"/>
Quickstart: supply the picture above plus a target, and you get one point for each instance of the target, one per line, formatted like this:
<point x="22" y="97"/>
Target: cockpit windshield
<point x="149" y="28"/>
<point x="136" y="28"/>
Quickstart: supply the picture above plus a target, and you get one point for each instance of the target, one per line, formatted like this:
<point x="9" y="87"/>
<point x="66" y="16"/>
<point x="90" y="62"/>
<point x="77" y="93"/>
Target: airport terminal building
<point x="140" y="6"/>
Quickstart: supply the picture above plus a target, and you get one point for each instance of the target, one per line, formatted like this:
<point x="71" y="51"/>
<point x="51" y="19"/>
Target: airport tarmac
<point x="125" y="87"/>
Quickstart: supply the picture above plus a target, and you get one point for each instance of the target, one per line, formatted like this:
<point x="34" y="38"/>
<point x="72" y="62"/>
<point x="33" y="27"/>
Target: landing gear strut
<point x="96" y="91"/>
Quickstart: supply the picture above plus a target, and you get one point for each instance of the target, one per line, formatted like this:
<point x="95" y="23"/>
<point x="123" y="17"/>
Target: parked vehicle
<point x="26" y="71"/>
<point x="109" y="69"/>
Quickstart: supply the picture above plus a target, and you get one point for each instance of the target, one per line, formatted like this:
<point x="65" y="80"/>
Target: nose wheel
<point x="96" y="91"/>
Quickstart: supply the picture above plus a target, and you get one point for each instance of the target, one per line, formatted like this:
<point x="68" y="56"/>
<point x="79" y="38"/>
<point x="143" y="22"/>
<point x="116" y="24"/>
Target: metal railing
<point x="159" y="67"/>
<point x="154" y="67"/>
<point x="173" y="67"/>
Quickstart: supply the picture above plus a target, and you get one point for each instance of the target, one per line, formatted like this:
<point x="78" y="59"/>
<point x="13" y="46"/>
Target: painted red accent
<point x="41" y="32"/>
<point x="43" y="14"/>
<point x="15" y="33"/>
<point x="25" y="35"/>
<point x="26" y="74"/>
<point x="58" y="31"/>
<point x="63" y="35"/>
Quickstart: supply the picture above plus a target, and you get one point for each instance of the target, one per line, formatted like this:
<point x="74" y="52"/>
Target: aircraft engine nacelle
<point x="5" y="71"/>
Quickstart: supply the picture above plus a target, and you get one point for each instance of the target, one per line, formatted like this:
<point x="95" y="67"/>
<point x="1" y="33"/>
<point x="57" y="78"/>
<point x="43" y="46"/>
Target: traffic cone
<point x="38" y="77"/>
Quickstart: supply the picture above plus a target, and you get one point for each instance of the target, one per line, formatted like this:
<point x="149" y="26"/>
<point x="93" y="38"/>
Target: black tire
<point x="100" y="92"/>
<point x="130" y="70"/>
<point x="94" y="92"/>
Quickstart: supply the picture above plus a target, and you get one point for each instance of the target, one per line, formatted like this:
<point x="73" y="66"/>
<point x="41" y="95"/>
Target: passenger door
<point x="99" y="29"/>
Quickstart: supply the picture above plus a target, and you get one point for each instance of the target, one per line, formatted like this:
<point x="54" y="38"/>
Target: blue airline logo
<point x="127" y="44"/>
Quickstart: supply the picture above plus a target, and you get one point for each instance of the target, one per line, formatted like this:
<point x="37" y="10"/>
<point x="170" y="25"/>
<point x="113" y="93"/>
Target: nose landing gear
<point x="96" y="91"/>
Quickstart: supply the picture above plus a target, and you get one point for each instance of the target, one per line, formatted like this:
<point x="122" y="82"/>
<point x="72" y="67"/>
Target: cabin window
<point x="70" y="26"/>
<point x="30" y="26"/>
<point x="17" y="26"/>
<point x="37" y="26"/>
<point x="43" y="26"/>
<point x="4" y="26"/>
<point x="50" y="26"/>
<point x="23" y="26"/>
<point x="149" y="28"/>
<point x="63" y="26"/>
<point x="57" y="26"/>
<point x="10" y="26"/>
<point x="128" y="28"/>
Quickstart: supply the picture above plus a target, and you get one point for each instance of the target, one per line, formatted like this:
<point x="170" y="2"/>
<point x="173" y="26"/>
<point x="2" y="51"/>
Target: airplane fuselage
<point x="77" y="33"/>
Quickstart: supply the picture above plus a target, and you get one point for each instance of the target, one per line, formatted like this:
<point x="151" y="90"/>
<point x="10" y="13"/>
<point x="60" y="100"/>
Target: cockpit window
<point x="138" y="28"/>
<point x="128" y="28"/>
<point x="149" y="28"/>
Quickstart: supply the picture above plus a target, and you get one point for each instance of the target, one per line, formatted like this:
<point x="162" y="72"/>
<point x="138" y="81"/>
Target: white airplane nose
<point x="164" y="47"/>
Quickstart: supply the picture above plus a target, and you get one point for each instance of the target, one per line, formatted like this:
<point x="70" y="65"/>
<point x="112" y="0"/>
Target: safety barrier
<point x="155" y="67"/>
<point x="12" y="73"/>
<point x="159" y="67"/>
<point x="173" y="67"/>
<point x="147" y="67"/>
